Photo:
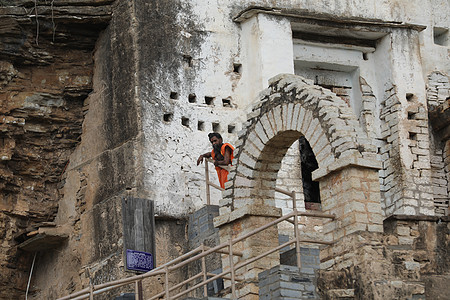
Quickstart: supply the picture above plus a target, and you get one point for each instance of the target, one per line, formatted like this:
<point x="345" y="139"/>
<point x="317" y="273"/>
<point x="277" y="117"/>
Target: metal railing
<point x="201" y="252"/>
<point x="209" y="182"/>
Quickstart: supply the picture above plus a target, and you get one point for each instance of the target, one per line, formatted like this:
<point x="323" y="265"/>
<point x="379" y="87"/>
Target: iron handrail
<point x="202" y="251"/>
<point x="173" y="265"/>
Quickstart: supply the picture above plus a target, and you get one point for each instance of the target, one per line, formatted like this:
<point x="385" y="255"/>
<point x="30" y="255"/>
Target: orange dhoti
<point x="222" y="173"/>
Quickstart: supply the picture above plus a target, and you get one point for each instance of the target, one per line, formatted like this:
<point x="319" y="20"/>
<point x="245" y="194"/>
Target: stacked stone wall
<point x="353" y="196"/>
<point x="367" y="115"/>
<point x="286" y="282"/>
<point x="439" y="183"/>
<point x="438" y="92"/>
<point x="406" y="174"/>
<point x="408" y="261"/>
<point x="201" y="231"/>
<point x="447" y="171"/>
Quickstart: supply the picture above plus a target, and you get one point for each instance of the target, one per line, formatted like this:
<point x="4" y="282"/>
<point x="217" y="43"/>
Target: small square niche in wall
<point x="201" y="125"/>
<point x="168" y="117"/>
<point x="192" y="98"/>
<point x="237" y="68"/>
<point x="209" y="100"/>
<point x="174" y="95"/>
<point x="226" y="102"/>
<point x="185" y="121"/>
<point x="441" y="36"/>
<point x="231" y="128"/>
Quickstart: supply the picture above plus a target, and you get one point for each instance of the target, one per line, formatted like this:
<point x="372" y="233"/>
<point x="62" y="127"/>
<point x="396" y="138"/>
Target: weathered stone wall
<point x="438" y="93"/>
<point x="164" y="76"/>
<point x="46" y="75"/>
<point x="408" y="260"/>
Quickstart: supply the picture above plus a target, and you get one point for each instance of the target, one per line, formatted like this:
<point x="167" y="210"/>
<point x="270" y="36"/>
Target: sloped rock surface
<point x="46" y="71"/>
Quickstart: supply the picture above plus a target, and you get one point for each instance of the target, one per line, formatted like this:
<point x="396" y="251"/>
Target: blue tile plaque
<point x="139" y="261"/>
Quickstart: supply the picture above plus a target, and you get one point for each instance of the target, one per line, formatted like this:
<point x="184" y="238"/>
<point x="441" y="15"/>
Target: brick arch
<point x="291" y="107"/>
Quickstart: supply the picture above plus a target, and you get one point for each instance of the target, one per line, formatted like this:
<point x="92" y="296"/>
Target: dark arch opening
<point x="309" y="163"/>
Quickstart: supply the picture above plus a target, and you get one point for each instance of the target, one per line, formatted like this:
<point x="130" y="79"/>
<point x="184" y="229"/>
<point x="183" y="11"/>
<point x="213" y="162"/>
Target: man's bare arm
<point x="200" y="158"/>
<point x="226" y="158"/>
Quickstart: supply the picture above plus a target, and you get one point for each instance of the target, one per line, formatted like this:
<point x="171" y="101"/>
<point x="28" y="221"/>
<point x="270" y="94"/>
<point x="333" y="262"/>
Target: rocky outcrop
<point x="46" y="69"/>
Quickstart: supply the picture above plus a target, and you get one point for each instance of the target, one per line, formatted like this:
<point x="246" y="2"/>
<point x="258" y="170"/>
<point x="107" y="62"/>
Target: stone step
<point x="284" y="282"/>
<point x="341" y="294"/>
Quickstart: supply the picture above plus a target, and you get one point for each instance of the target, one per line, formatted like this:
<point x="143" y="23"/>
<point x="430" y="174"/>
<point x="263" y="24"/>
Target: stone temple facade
<point x="106" y="101"/>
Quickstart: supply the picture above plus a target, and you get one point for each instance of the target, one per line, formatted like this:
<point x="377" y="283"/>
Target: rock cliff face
<point x="46" y="69"/>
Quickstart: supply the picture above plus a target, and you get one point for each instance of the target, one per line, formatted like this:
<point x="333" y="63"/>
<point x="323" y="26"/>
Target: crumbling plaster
<point x="154" y="48"/>
<point x="216" y="44"/>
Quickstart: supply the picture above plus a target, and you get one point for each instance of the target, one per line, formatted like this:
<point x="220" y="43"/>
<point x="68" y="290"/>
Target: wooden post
<point x="166" y="269"/>
<point x="208" y="192"/>
<point x="294" y="201"/>
<point x="138" y="290"/>
<point x="205" y="287"/>
<point x="297" y="238"/>
<point x="230" y="256"/>
<point x="91" y="290"/>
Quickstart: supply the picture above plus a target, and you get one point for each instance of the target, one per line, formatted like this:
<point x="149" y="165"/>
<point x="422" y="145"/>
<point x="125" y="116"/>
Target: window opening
<point x="441" y="36"/>
<point x="187" y="59"/>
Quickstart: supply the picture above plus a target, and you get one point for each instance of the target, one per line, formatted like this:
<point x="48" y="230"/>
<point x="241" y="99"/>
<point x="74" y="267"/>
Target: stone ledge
<point x="46" y="238"/>
<point x="341" y="163"/>
<point x="417" y="218"/>
<point x="247" y="210"/>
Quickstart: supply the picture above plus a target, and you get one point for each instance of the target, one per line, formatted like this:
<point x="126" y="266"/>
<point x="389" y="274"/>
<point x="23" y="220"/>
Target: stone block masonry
<point x="201" y="231"/>
<point x="286" y="282"/>
<point x="405" y="179"/>
<point x="352" y="194"/>
<point x="409" y="260"/>
<point x="201" y="225"/>
<point x="309" y="258"/>
<point x="438" y="95"/>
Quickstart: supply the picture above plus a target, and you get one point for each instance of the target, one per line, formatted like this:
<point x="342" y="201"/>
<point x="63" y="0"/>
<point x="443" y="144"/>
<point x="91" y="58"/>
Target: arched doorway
<point x="290" y="108"/>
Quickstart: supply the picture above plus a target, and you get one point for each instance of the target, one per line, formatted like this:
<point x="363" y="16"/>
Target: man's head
<point x="215" y="138"/>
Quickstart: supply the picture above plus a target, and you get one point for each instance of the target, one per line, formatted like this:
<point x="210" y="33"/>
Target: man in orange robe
<point x="222" y="154"/>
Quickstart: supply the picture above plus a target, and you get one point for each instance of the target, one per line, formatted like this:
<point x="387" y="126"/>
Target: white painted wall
<point x="264" y="47"/>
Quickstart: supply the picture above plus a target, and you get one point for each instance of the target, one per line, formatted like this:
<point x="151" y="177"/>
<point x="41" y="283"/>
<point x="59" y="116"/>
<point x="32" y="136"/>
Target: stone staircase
<point x="285" y="281"/>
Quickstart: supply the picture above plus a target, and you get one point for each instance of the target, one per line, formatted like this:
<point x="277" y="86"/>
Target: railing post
<point x="166" y="269"/>
<point x="294" y="201"/>
<point x="208" y="192"/>
<point x="297" y="238"/>
<point x="91" y="290"/>
<point x="205" y="287"/>
<point x="230" y="256"/>
<point x="138" y="290"/>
